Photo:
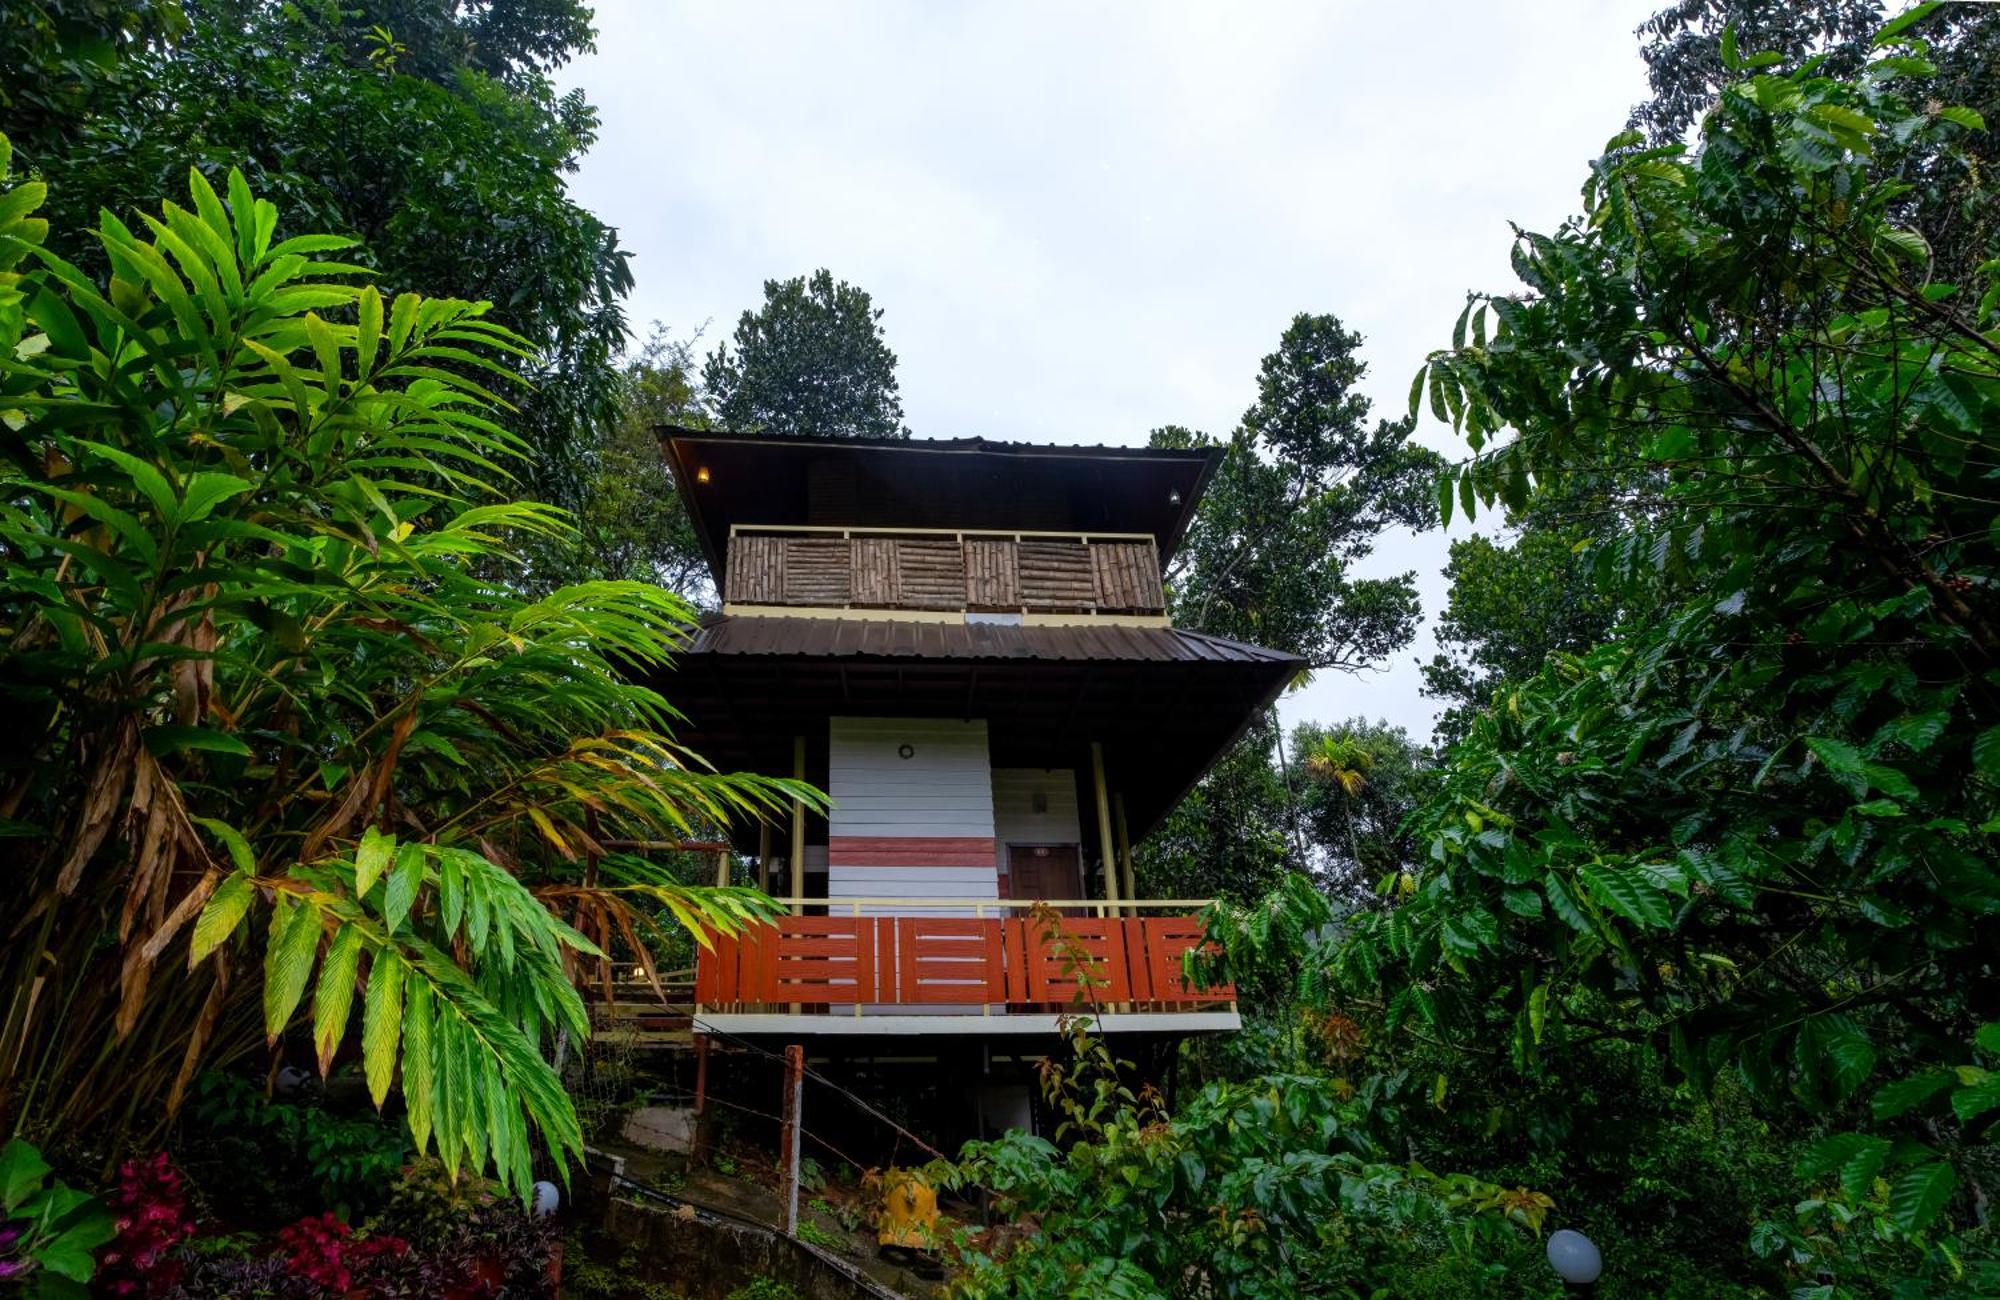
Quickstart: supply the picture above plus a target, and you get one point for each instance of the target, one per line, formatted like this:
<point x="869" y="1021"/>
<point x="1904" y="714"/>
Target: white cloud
<point x="1086" y="220"/>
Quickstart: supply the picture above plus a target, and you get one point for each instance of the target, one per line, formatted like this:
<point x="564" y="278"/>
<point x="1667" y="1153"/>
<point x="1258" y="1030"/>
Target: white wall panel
<point x="943" y="792"/>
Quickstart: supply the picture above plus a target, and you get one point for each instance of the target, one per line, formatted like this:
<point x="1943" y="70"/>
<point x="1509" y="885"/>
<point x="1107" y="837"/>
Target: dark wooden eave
<point x="959" y="483"/>
<point x="1165" y="703"/>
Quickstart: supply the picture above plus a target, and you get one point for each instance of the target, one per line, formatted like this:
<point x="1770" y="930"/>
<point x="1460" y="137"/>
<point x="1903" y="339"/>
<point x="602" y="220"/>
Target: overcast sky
<point x="1086" y="220"/>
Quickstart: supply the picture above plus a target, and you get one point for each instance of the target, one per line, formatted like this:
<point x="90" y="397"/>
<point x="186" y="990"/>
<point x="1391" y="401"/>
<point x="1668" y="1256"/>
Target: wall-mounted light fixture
<point x="701" y="474"/>
<point x="1173" y="496"/>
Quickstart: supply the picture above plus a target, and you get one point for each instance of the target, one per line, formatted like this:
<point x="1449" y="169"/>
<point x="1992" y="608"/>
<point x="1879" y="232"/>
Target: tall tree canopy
<point x="1306" y="486"/>
<point x="631" y="524"/>
<point x="813" y="359"/>
<point x="1519" y="596"/>
<point x="1754" y="834"/>
<point x="1947" y="196"/>
<point x="62" y="56"/>
<point x="1356" y="782"/>
<point x="427" y="129"/>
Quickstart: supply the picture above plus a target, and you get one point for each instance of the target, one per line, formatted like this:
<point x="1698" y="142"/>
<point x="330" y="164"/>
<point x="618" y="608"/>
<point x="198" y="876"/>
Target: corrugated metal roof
<point x="897" y="639"/>
<point x="967" y="443"/>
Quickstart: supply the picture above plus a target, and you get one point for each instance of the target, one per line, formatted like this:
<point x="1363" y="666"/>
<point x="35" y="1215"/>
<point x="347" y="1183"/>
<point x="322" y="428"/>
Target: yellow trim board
<point x="738" y="609"/>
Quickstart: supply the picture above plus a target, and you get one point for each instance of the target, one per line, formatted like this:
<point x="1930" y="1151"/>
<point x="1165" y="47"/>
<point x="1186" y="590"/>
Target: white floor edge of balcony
<point x="740" y="1024"/>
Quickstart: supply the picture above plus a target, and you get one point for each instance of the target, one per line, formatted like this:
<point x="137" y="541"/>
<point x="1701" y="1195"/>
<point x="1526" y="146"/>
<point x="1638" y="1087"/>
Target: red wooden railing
<point x="897" y="961"/>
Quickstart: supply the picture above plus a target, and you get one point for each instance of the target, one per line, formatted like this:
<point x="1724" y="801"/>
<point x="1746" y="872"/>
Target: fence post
<point x="795" y="1065"/>
<point x="698" y="1140"/>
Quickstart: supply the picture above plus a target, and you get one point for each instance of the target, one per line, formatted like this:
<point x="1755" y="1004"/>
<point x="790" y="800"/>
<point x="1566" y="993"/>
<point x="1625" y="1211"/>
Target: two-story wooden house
<point x="966" y="645"/>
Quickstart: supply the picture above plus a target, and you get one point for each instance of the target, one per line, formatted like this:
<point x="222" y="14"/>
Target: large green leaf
<point x="1916" y="1197"/>
<point x="288" y="962"/>
<point x="333" y="999"/>
<point x="221" y="915"/>
<point x="382" y="1022"/>
<point x="371" y="859"/>
<point x="1629" y="894"/>
<point x="22" y="1170"/>
<point x="1905" y="1095"/>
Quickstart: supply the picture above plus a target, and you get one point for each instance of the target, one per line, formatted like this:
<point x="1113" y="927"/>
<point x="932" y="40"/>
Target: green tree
<point x="439" y="142"/>
<point x="1682" y="46"/>
<point x="1305" y="489"/>
<point x="813" y="359"/>
<point x="1355" y="783"/>
<point x="1229" y="838"/>
<point x="1947" y="196"/>
<point x="268" y="701"/>
<point x="631" y="524"/>
<point x="63" y="56"/>
<point x="1754" y="834"/>
<point x="1516" y="599"/>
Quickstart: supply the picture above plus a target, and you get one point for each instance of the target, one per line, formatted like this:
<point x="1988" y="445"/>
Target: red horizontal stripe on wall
<point x="910" y="851"/>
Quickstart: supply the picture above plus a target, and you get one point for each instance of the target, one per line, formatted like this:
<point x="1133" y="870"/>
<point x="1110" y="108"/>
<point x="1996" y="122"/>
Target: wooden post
<point x="721" y="868"/>
<point x="1125" y="854"/>
<point x="1104" y="827"/>
<point x="788" y="1155"/>
<point x="764" y="856"/>
<point x="798" y="849"/>
<point x="798" y="827"/>
<point x="698" y="1144"/>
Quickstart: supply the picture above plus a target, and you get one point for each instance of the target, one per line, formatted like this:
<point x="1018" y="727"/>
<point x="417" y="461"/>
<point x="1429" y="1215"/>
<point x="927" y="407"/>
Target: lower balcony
<point x="959" y="966"/>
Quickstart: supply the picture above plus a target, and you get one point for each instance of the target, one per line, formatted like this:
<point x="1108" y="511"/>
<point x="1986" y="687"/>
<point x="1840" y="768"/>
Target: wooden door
<point x="1044" y="871"/>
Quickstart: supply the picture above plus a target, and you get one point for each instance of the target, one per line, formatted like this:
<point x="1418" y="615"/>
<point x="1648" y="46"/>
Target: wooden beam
<point x="798" y="827"/>
<point x="1125" y="849"/>
<point x="798" y="892"/>
<point x="1104" y="823"/>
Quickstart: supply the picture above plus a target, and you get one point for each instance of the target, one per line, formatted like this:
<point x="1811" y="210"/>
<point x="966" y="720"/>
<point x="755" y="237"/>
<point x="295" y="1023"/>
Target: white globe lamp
<point x="1575" y="1258"/>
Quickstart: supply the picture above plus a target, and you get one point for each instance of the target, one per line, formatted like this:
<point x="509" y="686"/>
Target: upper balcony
<point x="974" y="571"/>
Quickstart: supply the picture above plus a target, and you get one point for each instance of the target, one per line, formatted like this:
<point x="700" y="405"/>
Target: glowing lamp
<point x="1574" y="1257"/>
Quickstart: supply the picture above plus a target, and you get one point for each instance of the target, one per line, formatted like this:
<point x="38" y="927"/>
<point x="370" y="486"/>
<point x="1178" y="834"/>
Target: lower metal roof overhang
<point x="1165" y="703"/>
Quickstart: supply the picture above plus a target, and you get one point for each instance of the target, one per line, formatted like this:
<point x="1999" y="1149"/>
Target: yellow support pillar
<point x="1104" y="828"/>
<point x="798" y="827"/>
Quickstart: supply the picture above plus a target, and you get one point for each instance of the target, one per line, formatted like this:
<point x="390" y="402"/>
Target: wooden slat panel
<point x="1057" y="575"/>
<point x="931" y="574"/>
<point x="756" y="571"/>
<point x="1103" y="944"/>
<point x="1127" y="577"/>
<point x="992" y="578"/>
<point x="955" y="961"/>
<point x="818" y="960"/>
<point x="931" y="961"/>
<point x="872" y="570"/>
<point x="1165" y="938"/>
<point x="817" y="571"/>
